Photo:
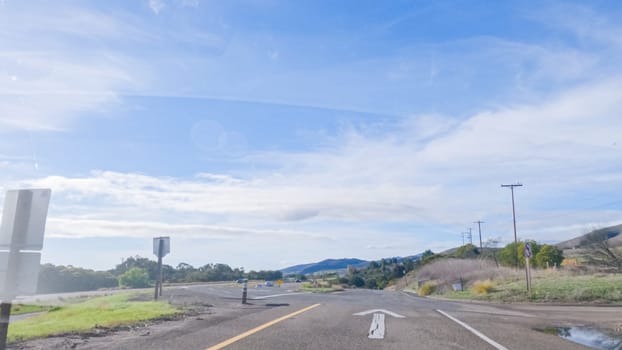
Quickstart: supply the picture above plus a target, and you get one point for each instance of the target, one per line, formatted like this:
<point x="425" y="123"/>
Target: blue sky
<point x="269" y="133"/>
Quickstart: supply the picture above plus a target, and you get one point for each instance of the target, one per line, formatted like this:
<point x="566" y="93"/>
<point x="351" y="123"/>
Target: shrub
<point x="134" y="278"/>
<point x="483" y="287"/>
<point x="427" y="288"/>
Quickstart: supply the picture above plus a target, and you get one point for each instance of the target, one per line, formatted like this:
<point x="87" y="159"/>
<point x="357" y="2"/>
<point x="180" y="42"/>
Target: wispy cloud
<point x="157" y="5"/>
<point x="428" y="169"/>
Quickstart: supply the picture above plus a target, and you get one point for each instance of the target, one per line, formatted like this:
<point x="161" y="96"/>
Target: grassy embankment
<point x="326" y="285"/>
<point x="21" y="309"/>
<point x="484" y="281"/>
<point x="101" y="312"/>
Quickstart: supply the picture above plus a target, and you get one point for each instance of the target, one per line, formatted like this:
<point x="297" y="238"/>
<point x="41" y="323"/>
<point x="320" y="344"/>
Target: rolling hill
<point x="325" y="265"/>
<point x="612" y="233"/>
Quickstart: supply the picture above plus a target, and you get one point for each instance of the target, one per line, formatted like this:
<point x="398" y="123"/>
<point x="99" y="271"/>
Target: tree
<point x="491" y="249"/>
<point x="599" y="253"/>
<point x="146" y="264"/>
<point x="134" y="278"/>
<point x="466" y="251"/>
<point x="58" y="279"/>
<point x="510" y="253"/>
<point x="357" y="281"/>
<point x="549" y="256"/>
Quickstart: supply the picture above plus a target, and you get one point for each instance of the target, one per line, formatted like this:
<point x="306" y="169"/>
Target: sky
<point x="267" y="133"/>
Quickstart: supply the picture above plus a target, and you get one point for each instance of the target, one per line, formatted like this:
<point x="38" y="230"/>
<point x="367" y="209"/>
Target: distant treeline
<point x="57" y="279"/>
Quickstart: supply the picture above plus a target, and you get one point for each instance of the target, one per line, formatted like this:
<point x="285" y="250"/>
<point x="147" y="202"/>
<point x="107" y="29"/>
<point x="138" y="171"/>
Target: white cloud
<point x="428" y="170"/>
<point x="76" y="227"/>
<point x="157" y="6"/>
<point x="50" y="80"/>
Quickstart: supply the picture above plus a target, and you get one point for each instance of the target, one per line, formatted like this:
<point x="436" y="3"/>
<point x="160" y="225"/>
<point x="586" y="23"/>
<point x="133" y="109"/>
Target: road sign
<point x="26" y="272"/>
<point x="279" y="282"/>
<point x="23" y="219"/>
<point x="166" y="246"/>
<point x="527" y="252"/>
<point x="22" y="228"/>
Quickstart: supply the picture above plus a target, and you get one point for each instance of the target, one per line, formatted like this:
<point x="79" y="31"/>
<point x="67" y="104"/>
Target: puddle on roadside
<point x="587" y="336"/>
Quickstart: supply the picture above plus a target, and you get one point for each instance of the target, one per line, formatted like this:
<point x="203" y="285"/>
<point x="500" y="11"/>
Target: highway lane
<point x="333" y="325"/>
<point x="281" y="318"/>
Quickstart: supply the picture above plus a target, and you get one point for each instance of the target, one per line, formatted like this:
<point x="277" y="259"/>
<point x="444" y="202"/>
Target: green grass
<point x="319" y="288"/>
<point x="108" y="311"/>
<point x="551" y="288"/>
<point x="20" y="309"/>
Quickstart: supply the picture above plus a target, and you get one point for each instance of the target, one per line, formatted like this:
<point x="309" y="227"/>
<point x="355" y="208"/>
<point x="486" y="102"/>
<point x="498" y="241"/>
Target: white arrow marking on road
<point x="376" y="330"/>
<point x="363" y="313"/>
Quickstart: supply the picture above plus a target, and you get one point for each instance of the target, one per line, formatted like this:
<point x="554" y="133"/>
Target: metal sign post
<point x="161" y="247"/>
<point x="22" y="228"/>
<point x="528" y="255"/>
<point x="245" y="292"/>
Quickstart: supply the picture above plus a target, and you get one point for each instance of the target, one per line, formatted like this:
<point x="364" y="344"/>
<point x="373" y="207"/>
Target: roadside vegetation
<point x="323" y="283"/>
<point x="592" y="275"/>
<point x="21" y="309"/>
<point x="106" y="312"/>
<point x="138" y="272"/>
<point x="383" y="273"/>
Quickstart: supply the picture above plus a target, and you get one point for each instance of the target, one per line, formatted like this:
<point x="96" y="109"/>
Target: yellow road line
<point x="260" y="328"/>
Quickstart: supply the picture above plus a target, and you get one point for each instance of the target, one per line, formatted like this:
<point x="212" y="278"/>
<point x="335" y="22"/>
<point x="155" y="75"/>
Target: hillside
<point x="325" y="265"/>
<point x="612" y="233"/>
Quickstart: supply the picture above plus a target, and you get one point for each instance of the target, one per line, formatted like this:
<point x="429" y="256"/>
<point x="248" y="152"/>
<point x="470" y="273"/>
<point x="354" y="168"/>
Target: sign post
<point x="161" y="247"/>
<point x="528" y="255"/>
<point x="22" y="228"/>
<point x="245" y="292"/>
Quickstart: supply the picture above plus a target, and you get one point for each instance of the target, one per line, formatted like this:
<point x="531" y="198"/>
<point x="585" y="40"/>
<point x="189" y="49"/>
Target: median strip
<point x="260" y="328"/>
<point x="474" y="331"/>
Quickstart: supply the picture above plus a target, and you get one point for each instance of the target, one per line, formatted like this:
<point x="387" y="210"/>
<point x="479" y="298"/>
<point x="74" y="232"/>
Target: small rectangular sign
<point x="166" y="246"/>
<point x="23" y="219"/>
<point x="25" y="271"/>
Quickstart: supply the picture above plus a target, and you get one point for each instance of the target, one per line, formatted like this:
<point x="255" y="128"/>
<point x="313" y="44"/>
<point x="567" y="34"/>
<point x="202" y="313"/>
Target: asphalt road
<point x="283" y="319"/>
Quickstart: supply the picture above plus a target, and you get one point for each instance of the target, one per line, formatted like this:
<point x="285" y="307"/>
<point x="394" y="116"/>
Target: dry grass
<point x="484" y="281"/>
<point x="449" y="271"/>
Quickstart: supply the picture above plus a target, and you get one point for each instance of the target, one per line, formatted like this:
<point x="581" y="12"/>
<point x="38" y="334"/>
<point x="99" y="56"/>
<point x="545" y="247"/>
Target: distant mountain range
<point x="330" y="265"/>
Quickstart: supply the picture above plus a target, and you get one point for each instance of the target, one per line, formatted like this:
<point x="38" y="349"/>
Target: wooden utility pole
<point x="514" y="216"/>
<point x="479" y="228"/>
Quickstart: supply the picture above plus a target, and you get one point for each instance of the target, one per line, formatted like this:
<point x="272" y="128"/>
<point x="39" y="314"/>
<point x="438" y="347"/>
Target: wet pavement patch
<point x="587" y="336"/>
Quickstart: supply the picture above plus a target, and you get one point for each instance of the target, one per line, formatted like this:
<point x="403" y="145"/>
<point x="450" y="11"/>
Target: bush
<point x="134" y="278"/>
<point x="427" y="288"/>
<point x="483" y="287"/>
<point x="549" y="256"/>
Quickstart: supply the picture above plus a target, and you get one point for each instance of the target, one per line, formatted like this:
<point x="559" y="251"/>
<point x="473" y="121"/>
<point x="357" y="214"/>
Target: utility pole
<point x="514" y="215"/>
<point x="479" y="228"/>
<point x="470" y="237"/>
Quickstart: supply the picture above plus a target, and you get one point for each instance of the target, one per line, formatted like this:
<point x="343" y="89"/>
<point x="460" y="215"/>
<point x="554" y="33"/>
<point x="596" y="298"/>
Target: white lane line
<point x="474" y="331"/>
<point x="278" y="295"/>
<point x="376" y="330"/>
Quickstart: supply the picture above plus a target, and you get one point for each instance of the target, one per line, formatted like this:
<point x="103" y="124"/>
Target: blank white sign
<point x="23" y="219"/>
<point x="166" y="245"/>
<point x="26" y="272"/>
